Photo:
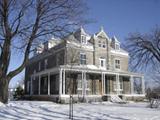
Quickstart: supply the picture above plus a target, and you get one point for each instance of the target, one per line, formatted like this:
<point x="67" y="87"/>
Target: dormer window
<point x="83" y="39"/>
<point x="117" y="46"/>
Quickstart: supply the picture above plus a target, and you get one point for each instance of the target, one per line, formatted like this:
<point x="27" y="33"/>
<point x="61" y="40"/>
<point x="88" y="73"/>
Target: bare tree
<point x="144" y="49"/>
<point x="24" y="22"/>
<point x="144" y="52"/>
<point x="73" y="60"/>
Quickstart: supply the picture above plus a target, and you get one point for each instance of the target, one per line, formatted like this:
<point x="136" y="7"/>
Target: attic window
<point x="117" y="46"/>
<point x="83" y="39"/>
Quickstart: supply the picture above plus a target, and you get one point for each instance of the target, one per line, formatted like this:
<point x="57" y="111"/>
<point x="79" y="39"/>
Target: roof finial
<point x="101" y="28"/>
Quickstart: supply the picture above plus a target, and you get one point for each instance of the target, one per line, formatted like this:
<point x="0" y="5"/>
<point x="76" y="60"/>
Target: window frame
<point x="83" y="60"/>
<point x="39" y="65"/>
<point x="117" y="46"/>
<point x="45" y="63"/>
<point x="120" y="84"/>
<point x="104" y="62"/>
<point x="83" y="39"/>
<point x="119" y="64"/>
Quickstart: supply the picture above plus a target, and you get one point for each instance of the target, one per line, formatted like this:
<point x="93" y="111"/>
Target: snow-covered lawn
<point x="35" y="110"/>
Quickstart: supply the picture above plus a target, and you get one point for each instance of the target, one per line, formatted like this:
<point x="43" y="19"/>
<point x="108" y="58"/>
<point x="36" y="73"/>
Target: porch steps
<point x="117" y="99"/>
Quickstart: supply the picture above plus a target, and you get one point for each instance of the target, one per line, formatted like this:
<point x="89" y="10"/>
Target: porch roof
<point x="95" y="69"/>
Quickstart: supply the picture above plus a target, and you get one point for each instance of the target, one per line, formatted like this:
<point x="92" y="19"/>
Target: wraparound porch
<point x="82" y="82"/>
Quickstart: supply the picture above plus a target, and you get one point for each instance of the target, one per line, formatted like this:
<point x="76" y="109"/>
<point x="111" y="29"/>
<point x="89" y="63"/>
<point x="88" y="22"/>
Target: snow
<point x="36" y="110"/>
<point x="1" y="104"/>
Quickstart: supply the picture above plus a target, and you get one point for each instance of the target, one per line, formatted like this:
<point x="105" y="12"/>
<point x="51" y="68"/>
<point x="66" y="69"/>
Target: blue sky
<point x="118" y="17"/>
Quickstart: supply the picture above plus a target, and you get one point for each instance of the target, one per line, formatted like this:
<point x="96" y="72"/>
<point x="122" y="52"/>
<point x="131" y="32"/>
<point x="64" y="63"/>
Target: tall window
<point x="117" y="64"/>
<point x="28" y="86"/>
<point x="120" y="84"/>
<point x="102" y="62"/>
<point x="45" y="63"/>
<point x="117" y="46"/>
<point x="80" y="84"/>
<point x="82" y="58"/>
<point x="39" y="66"/>
<point x="83" y="39"/>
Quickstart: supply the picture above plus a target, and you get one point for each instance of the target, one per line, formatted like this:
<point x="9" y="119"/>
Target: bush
<point x="19" y="93"/>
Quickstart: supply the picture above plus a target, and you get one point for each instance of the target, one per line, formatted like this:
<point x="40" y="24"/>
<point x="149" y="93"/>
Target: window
<point x="45" y="63"/>
<point x="117" y="64"/>
<point x="80" y="84"/>
<point x="117" y="46"/>
<point x="120" y="85"/>
<point x="34" y="72"/>
<point x="28" y="86"/>
<point x="82" y="58"/>
<point x="114" y="85"/>
<point x="39" y="66"/>
<point x="83" y="39"/>
<point x="102" y="62"/>
<point x="104" y="45"/>
<point x="87" y="84"/>
<point x="99" y="43"/>
<point x="34" y="75"/>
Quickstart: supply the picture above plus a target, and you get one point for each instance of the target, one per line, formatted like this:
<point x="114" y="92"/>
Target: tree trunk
<point x="4" y="90"/>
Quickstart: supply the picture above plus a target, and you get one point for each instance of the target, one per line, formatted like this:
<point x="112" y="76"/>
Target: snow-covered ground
<point x="35" y="110"/>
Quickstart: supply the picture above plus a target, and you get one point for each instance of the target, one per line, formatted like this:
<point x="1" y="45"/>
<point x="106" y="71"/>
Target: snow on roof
<point x="115" y="39"/>
<point x="88" y="46"/>
<point x="120" y="52"/>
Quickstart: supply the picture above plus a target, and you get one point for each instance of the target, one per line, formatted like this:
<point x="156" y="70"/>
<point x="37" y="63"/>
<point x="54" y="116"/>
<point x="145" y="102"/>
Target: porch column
<point x="48" y="83"/>
<point x="83" y="83"/>
<point x="117" y="84"/>
<point x="39" y="84"/>
<point x="143" y="85"/>
<point x="64" y="82"/>
<point x="60" y="82"/>
<point x="132" y="87"/>
<point x="104" y="83"/>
